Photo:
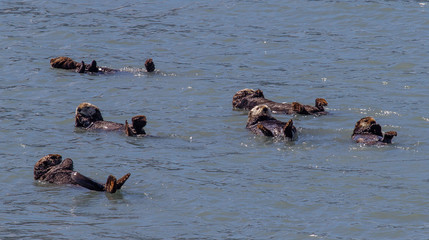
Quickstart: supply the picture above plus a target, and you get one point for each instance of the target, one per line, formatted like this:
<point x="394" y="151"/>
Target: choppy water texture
<point x="201" y="174"/>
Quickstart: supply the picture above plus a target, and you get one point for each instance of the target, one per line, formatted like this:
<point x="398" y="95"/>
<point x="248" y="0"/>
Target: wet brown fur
<point x="260" y="122"/>
<point x="51" y="168"/>
<point x="249" y="98"/>
<point x="64" y="63"/>
<point x="88" y="116"/>
<point x="368" y="131"/>
<point x="68" y="63"/>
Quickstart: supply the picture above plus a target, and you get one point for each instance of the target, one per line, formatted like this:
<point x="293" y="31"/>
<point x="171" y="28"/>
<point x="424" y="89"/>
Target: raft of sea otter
<point x="53" y="169"/>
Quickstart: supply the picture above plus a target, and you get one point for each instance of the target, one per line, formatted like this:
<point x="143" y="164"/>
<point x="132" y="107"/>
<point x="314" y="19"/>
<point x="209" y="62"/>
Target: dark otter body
<point x="261" y="122"/>
<point x="88" y="116"/>
<point x="68" y="63"/>
<point x="249" y="98"/>
<point x="51" y="168"/>
<point x="367" y="131"/>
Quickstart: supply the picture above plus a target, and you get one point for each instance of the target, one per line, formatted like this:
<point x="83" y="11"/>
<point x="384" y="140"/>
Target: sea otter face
<point x="50" y="165"/>
<point x="259" y="113"/>
<point x="45" y="164"/>
<point x="87" y="113"/>
<point x="247" y="92"/>
<point x="367" y="125"/>
<point x="240" y="98"/>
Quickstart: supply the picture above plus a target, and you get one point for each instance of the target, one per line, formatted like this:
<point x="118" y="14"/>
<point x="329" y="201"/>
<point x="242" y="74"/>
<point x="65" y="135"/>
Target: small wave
<point x="387" y="113"/>
<point x="370" y="111"/>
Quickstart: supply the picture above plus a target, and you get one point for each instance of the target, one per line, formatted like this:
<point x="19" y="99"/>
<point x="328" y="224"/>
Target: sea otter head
<point x="241" y="97"/>
<point x="87" y="113"/>
<point x="367" y="125"/>
<point x="259" y="113"/>
<point x="321" y="103"/>
<point x="45" y="164"/>
<point x="64" y="63"/>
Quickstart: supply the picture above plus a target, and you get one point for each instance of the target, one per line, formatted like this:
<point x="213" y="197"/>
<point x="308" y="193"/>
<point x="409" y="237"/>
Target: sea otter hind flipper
<point x="81" y="69"/>
<point x="86" y="182"/>
<point x="388" y="136"/>
<point x="149" y="65"/>
<point x="122" y="180"/>
<point x="320" y="103"/>
<point x="265" y="130"/>
<point x="289" y="130"/>
<point x="111" y="184"/>
<point x="93" y="67"/>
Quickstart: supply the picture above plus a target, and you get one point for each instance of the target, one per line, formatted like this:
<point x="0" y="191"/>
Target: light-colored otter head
<point x="367" y="125"/>
<point x="241" y="97"/>
<point x="259" y="113"/>
<point x="87" y="113"/>
<point x="45" y="164"/>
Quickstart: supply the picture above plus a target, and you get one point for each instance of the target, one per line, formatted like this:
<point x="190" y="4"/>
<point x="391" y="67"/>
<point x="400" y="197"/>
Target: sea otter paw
<point x="265" y="130"/>
<point x="111" y="184"/>
<point x="149" y="65"/>
<point x="122" y="180"/>
<point x="388" y="136"/>
<point x="289" y="130"/>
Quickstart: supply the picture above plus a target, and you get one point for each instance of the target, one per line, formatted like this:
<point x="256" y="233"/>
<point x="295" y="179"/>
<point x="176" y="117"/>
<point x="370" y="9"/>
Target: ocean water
<point x="200" y="174"/>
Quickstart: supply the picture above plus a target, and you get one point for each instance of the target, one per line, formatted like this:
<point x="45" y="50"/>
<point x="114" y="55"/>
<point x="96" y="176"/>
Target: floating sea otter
<point x="51" y="168"/>
<point x="249" y="98"/>
<point x="367" y="131"/>
<point x="261" y="122"/>
<point x="88" y="116"/>
<point x="68" y="63"/>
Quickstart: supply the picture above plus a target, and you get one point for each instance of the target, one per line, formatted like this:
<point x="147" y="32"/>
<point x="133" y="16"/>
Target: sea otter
<point x="249" y="98"/>
<point x="68" y="63"/>
<point x="261" y="122"/>
<point x="51" y="168"/>
<point x="88" y="116"/>
<point x="367" y="131"/>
